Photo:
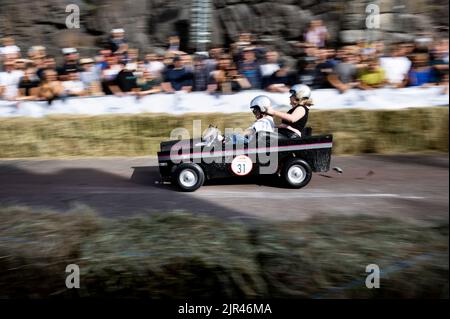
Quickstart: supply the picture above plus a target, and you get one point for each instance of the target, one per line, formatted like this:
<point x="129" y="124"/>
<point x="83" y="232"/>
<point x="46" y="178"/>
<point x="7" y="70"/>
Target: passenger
<point x="264" y="122"/>
<point x="294" y="121"/>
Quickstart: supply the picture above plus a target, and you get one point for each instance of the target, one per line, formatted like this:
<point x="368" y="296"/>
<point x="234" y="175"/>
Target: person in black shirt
<point x="28" y="85"/>
<point x="294" y="121"/>
<point x="177" y="78"/>
<point x="126" y="80"/>
<point x="70" y="63"/>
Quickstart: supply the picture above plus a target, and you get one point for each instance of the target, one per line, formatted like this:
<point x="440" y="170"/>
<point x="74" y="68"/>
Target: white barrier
<point x="200" y="102"/>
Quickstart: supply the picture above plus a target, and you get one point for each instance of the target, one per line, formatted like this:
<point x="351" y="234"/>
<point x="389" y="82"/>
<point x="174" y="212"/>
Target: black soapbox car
<point x="189" y="163"/>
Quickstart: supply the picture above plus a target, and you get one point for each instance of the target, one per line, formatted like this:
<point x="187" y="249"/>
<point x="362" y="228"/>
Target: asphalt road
<point x="406" y="187"/>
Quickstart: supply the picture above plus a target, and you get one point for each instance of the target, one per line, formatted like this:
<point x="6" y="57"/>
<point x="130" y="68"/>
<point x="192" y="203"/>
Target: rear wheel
<point x="189" y="177"/>
<point x="296" y="173"/>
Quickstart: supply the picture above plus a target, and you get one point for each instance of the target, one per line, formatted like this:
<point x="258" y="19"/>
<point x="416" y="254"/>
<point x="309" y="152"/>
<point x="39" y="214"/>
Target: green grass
<point x="180" y="255"/>
<point x="355" y="132"/>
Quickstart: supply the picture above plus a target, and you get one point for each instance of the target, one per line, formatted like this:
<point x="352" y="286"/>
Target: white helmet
<point x="300" y="91"/>
<point x="261" y="102"/>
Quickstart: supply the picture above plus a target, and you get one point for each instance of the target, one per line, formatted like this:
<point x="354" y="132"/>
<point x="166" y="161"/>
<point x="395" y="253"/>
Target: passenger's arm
<point x="294" y="117"/>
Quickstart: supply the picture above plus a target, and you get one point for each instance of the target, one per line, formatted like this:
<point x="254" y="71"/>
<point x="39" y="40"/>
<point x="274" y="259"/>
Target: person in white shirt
<point x="264" y="122"/>
<point x="9" y="50"/>
<point x="271" y="64"/>
<point x="396" y="67"/>
<point x="9" y="81"/>
<point x="74" y="86"/>
<point x="153" y="65"/>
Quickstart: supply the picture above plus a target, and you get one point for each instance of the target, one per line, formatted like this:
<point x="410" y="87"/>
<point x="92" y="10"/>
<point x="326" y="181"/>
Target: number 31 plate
<point x="241" y="165"/>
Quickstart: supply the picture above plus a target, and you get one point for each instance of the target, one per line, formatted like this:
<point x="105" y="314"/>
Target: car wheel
<point x="189" y="177"/>
<point x="296" y="173"/>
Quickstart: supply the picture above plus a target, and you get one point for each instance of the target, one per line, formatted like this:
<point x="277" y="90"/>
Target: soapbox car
<point x="189" y="163"/>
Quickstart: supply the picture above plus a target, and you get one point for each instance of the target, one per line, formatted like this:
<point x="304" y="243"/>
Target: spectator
<point x="244" y="41"/>
<point x="249" y="68"/>
<point x="70" y="63"/>
<point x="37" y="51"/>
<point x="126" y="80"/>
<point x="308" y="75"/>
<point x="101" y="59"/>
<point x="396" y="66"/>
<point x="213" y="61"/>
<point x="132" y="56"/>
<point x="317" y="34"/>
<point x="282" y="80"/>
<point x="174" y="43"/>
<point x="9" y="50"/>
<point x="90" y="76"/>
<point x="50" y="88"/>
<point x="177" y="78"/>
<point x="187" y="61"/>
<point x="324" y="67"/>
<point x="110" y="73"/>
<point x="440" y="60"/>
<point x="344" y="73"/>
<point x="226" y="79"/>
<point x="73" y="86"/>
<point x="9" y="81"/>
<point x="271" y="64"/>
<point x="117" y="42"/>
<point x="154" y="65"/>
<point x="48" y="63"/>
<point x="201" y="74"/>
<point x="29" y="85"/>
<point x="372" y="76"/>
<point x="148" y="84"/>
<point x="421" y="73"/>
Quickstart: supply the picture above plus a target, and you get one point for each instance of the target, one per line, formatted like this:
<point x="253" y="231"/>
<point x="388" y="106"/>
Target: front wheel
<point x="296" y="173"/>
<point x="189" y="177"/>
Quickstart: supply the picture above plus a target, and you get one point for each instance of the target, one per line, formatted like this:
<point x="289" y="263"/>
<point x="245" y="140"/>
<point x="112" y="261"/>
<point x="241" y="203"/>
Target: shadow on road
<point x="110" y="194"/>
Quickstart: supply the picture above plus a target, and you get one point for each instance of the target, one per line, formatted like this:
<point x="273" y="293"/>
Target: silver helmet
<point x="300" y="91"/>
<point x="261" y="102"/>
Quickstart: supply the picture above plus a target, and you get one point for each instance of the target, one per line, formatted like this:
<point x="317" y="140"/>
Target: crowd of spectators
<point x="122" y="70"/>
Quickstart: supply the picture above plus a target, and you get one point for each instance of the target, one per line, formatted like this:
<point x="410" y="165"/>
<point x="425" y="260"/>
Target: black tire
<point x="296" y="173"/>
<point x="188" y="177"/>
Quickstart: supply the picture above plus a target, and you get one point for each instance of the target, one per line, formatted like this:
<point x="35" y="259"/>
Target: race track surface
<point x="405" y="187"/>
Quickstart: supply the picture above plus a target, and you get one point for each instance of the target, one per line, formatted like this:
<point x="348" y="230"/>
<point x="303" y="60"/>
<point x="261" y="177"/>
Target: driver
<point x="264" y="122"/>
<point x="294" y="121"/>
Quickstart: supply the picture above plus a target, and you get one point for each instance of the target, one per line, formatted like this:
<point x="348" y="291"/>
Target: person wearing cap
<point x="117" y="42"/>
<point x="70" y="63"/>
<point x="294" y="121"/>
